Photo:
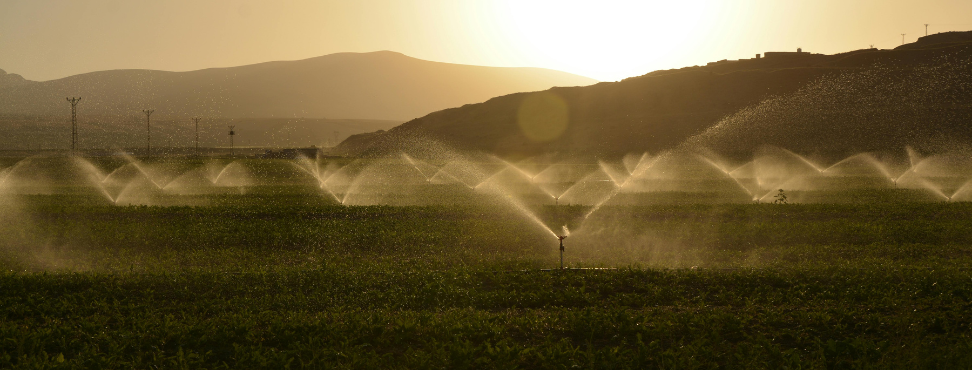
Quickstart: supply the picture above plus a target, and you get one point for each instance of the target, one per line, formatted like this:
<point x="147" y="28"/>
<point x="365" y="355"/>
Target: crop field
<point x="253" y="274"/>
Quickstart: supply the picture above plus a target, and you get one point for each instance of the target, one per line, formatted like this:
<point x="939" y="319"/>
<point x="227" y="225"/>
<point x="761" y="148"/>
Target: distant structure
<point x="775" y="55"/>
<point x="721" y="62"/>
<point x="148" y="127"/>
<point x="926" y="29"/>
<point x="902" y="38"/>
<point x="778" y="54"/>
<point x="196" y="120"/>
<point x="232" y="133"/>
<point x="74" y="123"/>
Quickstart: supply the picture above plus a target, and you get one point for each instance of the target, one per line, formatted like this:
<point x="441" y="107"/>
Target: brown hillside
<point x="380" y="85"/>
<point x="662" y="109"/>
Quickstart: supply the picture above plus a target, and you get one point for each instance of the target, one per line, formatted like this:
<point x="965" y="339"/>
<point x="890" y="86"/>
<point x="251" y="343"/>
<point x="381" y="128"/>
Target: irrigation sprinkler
<point x="561" y="238"/>
<point x="232" y="133"/>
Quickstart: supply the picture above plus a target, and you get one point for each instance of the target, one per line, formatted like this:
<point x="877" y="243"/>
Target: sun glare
<point x="607" y="40"/>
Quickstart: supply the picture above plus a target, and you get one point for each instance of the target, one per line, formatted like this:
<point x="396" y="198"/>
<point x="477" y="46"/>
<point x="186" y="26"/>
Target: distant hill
<point x="938" y="40"/>
<point x="11" y="79"/>
<point x="868" y="99"/>
<point x="379" y="85"/>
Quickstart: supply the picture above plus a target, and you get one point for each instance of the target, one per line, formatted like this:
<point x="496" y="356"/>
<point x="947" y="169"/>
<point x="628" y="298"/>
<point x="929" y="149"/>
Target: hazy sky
<point x="602" y="39"/>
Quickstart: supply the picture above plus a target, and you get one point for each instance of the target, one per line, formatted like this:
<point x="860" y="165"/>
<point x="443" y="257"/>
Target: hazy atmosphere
<point x="485" y="184"/>
<point x="605" y="40"/>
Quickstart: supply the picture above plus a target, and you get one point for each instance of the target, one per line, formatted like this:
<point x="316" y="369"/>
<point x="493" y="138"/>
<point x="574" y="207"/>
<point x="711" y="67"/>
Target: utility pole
<point x="231" y="134"/>
<point x="926" y="29"/>
<point x="196" y="120"/>
<point x="902" y="38"/>
<point x="148" y="126"/>
<point x="74" y="123"/>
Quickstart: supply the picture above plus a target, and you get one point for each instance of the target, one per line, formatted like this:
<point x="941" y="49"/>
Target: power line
<point x="74" y="123"/>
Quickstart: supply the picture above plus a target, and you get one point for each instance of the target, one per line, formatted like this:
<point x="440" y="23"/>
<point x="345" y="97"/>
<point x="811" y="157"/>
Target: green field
<point x="256" y="283"/>
<point x="244" y="263"/>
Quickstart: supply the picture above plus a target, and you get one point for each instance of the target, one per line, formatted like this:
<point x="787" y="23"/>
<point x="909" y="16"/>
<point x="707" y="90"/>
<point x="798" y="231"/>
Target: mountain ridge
<point x="376" y="85"/>
<point x="661" y="110"/>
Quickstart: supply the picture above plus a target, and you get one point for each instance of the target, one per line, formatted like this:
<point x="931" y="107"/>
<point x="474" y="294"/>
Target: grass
<point x="272" y="284"/>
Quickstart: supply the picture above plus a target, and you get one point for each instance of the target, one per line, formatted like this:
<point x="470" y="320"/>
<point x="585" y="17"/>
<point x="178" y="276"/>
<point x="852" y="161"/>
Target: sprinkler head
<point x="561" y="237"/>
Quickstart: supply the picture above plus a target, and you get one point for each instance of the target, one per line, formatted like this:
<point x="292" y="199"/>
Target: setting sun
<point x="608" y="40"/>
<point x="486" y="184"/>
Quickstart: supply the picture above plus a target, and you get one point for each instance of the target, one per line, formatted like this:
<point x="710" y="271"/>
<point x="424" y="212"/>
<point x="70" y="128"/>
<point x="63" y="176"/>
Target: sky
<point x="603" y="39"/>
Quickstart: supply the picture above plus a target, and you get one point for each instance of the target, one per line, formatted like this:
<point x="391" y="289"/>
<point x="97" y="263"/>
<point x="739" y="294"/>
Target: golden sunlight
<point x="611" y="39"/>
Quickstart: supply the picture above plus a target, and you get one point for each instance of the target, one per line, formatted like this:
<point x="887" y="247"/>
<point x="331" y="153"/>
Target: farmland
<point x="278" y="276"/>
<point x="264" y="286"/>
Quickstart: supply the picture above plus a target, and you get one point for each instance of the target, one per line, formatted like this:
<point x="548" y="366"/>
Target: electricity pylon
<point x="74" y="123"/>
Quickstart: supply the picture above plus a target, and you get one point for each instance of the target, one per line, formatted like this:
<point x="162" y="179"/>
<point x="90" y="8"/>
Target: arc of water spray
<point x="145" y="173"/>
<point x="443" y="172"/>
<point x="520" y="170"/>
<point x="840" y="162"/>
<point x="516" y="203"/>
<point x="324" y="186"/>
<point x="415" y="165"/>
<point x="321" y="180"/>
<point x="913" y="157"/>
<point x="803" y="159"/>
<point x="113" y="172"/>
<point x="915" y="161"/>
<point x="508" y="166"/>
<point x="585" y="180"/>
<point x="963" y="188"/>
<point x="727" y="173"/>
<point x="631" y="171"/>
<point x="355" y="183"/>
<point x="304" y="164"/>
<point x="98" y="177"/>
<point x="523" y="173"/>
<point x="557" y="196"/>
<point x="611" y="173"/>
<point x="223" y="171"/>
<point x="934" y="189"/>
<point x="9" y="171"/>
<point x="638" y="171"/>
